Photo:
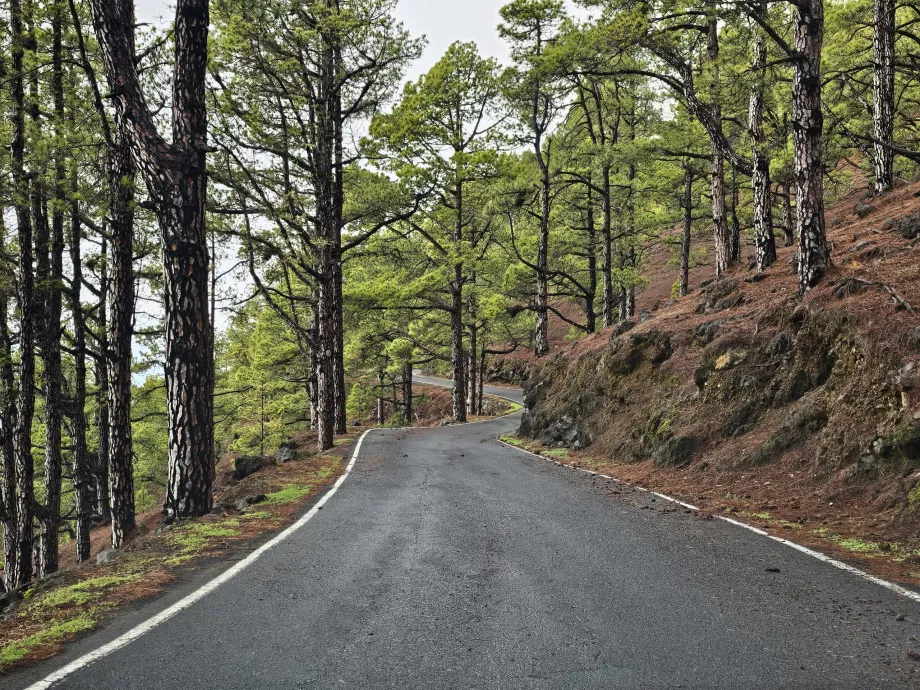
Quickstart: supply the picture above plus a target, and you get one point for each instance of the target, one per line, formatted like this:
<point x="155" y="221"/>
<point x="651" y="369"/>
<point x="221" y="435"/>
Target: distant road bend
<point x="447" y="560"/>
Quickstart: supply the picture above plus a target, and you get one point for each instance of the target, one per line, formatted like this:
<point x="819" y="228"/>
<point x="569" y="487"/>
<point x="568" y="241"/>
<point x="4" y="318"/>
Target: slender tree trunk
<point x="101" y="368"/>
<point x="541" y="334"/>
<point x="120" y="336"/>
<point x="883" y="53"/>
<point x="607" y="232"/>
<point x="590" y="296"/>
<point x="457" y="354"/>
<point x="764" y="241"/>
<point x="472" y="378"/>
<point x="325" y="360"/>
<point x="482" y="381"/>
<point x="717" y="167"/>
<point x="407" y="392"/>
<point x="314" y="383"/>
<point x="381" y="402"/>
<point x="788" y="222"/>
<point x="688" y="232"/>
<point x="341" y="394"/>
<point x="807" y="130"/>
<point x="628" y="292"/>
<point x="7" y="423"/>
<point x="735" y="223"/>
<point x="26" y="405"/>
<point x="51" y="339"/>
<point x="83" y="508"/>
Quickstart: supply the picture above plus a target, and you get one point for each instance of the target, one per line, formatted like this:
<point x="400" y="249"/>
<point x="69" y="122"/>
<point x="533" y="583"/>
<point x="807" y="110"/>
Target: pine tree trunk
<point x="101" y="369"/>
<point x="807" y="130"/>
<point x="591" y="293"/>
<point x="607" y="232"/>
<point x="717" y="166"/>
<point x="764" y="241"/>
<point x="381" y="403"/>
<point x="176" y="178"/>
<point x="735" y="224"/>
<point x="482" y="382"/>
<point x="541" y="332"/>
<point x="341" y="394"/>
<point x="51" y="340"/>
<point x="22" y="448"/>
<point x="472" y="383"/>
<point x="883" y="53"/>
<point x="688" y="232"/>
<point x="788" y="222"/>
<point x="120" y="335"/>
<point x="457" y="355"/>
<point x="83" y="508"/>
<point x="7" y="422"/>
<point x="407" y="392"/>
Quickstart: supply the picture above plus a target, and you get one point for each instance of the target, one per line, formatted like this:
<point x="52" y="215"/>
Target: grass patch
<point x="324" y="472"/>
<point x="512" y="408"/>
<point x="289" y="494"/>
<point x="512" y="441"/>
<point x="557" y="453"/>
<point x="57" y="631"/>
<point x="259" y="515"/>
<point x="758" y="516"/>
<point x="81" y="593"/>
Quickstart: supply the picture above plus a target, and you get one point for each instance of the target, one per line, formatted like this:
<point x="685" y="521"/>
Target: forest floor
<point x="83" y="597"/>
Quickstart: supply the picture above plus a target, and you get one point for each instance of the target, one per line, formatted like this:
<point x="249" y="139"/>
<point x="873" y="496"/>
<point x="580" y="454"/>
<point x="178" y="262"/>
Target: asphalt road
<point x="447" y="560"/>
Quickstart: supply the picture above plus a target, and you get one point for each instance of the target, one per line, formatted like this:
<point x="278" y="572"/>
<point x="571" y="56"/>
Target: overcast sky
<point x="442" y="21"/>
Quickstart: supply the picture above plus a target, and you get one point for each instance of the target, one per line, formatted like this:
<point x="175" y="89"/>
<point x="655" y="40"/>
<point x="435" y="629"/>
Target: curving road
<point x="448" y="560"/>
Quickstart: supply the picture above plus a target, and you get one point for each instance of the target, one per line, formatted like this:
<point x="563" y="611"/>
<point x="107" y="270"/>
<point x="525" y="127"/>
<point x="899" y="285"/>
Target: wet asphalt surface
<point x="448" y="560"/>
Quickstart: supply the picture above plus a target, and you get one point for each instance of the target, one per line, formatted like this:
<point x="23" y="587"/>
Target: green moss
<point x="324" y="472"/>
<point x="512" y="441"/>
<point x="289" y="494"/>
<point x="81" y="593"/>
<point x="758" y="516"/>
<point x="557" y="453"/>
<point x="195" y="537"/>
<point x="860" y="546"/>
<point x="57" y="631"/>
<point x="512" y="408"/>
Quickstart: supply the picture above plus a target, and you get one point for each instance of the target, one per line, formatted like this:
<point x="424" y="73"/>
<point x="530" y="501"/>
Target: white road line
<point x="840" y="565"/>
<point x="145" y="627"/>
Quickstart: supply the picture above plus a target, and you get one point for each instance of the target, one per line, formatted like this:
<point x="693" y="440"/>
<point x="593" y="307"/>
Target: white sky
<point x="442" y="21"/>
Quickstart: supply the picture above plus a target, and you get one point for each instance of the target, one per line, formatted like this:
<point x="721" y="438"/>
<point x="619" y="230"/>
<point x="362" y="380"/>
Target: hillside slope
<point x="801" y="414"/>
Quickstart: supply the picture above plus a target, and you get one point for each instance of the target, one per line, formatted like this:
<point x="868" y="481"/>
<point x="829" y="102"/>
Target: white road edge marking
<point x="148" y="625"/>
<point x="824" y="558"/>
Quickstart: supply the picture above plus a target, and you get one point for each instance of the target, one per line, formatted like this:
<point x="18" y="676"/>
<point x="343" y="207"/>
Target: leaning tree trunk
<point x="788" y="221"/>
<point x="883" y="53"/>
<point x="764" y="241"/>
<point x="591" y="291"/>
<point x="807" y="131"/>
<point x="120" y="334"/>
<point x="176" y="177"/>
<point x="22" y="433"/>
<point x="717" y="165"/>
<point x="688" y="232"/>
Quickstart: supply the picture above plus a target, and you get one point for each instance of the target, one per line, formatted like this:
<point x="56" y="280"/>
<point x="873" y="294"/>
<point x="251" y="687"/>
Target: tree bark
<point x="609" y="311"/>
<point x="764" y="240"/>
<point x="541" y="331"/>
<point x="472" y="377"/>
<point x="26" y="405"/>
<point x="407" y="392"/>
<point x="807" y="131"/>
<point x="717" y="167"/>
<point x="101" y="369"/>
<point x="688" y="232"/>
<point x="83" y="508"/>
<point x="7" y="422"/>
<point x="120" y="335"/>
<point x="175" y="174"/>
<point x="883" y="53"/>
